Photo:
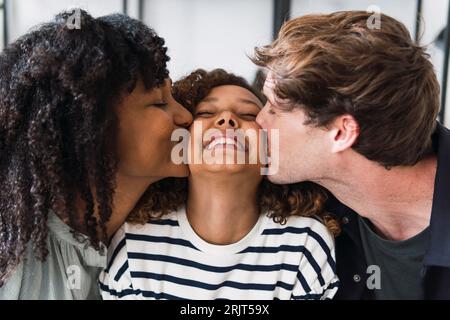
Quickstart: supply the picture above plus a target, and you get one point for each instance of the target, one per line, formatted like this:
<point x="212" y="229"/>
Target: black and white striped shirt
<point x="166" y="259"/>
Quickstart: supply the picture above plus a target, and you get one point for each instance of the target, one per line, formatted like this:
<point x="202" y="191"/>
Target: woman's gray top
<point x="70" y="270"/>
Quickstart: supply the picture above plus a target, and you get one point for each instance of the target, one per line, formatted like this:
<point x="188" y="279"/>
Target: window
<point x="2" y="24"/>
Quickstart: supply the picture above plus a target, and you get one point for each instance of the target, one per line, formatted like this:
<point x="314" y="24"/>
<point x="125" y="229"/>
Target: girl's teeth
<point x="222" y="141"/>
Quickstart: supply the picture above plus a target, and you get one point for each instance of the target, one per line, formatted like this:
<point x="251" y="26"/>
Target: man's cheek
<point x="271" y="122"/>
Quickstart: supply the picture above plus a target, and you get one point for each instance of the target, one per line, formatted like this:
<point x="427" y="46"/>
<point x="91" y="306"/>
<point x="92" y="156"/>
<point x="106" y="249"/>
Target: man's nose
<point x="260" y="118"/>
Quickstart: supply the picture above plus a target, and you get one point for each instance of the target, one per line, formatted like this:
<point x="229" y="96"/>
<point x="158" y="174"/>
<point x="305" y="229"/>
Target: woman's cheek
<point x="162" y="125"/>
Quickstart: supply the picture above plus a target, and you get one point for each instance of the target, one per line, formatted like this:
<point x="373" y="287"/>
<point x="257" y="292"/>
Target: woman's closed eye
<point x="159" y="104"/>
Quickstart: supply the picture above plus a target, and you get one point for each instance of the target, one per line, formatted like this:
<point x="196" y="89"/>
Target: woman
<point x="86" y="117"/>
<point x="228" y="233"/>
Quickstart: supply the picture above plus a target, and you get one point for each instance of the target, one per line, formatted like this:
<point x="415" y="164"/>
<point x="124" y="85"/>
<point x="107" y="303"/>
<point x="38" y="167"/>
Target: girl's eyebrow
<point x="210" y="99"/>
<point x="248" y="101"/>
<point x="241" y="100"/>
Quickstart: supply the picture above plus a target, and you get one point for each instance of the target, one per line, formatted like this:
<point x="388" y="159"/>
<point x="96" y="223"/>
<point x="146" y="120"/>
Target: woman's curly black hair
<point x="58" y="128"/>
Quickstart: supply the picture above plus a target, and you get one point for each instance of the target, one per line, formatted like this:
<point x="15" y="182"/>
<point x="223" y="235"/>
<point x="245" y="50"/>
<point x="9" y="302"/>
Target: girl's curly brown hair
<point x="58" y="90"/>
<point x="305" y="199"/>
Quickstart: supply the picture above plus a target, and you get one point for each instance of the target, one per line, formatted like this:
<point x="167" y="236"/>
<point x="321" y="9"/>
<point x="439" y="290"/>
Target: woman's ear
<point x="345" y="132"/>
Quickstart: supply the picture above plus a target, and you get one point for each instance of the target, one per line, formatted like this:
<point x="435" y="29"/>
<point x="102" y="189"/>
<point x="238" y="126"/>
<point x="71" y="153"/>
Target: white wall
<point x="403" y="10"/>
<point x="24" y="14"/>
<point x="199" y="33"/>
<point x="211" y="34"/>
<point x="435" y="16"/>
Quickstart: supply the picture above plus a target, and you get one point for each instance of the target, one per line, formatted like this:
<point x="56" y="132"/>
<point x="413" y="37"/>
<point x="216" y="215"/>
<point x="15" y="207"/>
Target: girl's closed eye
<point x="248" y="116"/>
<point x="204" y="113"/>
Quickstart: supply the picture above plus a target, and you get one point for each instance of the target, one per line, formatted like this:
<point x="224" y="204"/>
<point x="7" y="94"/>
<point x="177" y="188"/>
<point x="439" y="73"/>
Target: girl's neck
<point x="222" y="209"/>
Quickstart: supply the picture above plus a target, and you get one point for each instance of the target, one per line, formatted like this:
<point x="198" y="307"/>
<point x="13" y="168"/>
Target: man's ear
<point x="344" y="131"/>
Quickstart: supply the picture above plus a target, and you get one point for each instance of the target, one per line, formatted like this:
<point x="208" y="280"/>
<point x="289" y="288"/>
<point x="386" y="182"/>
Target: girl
<point x="85" y="122"/>
<point x="228" y="233"/>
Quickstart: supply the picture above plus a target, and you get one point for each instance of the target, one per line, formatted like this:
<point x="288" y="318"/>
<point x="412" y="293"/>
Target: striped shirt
<point x="166" y="259"/>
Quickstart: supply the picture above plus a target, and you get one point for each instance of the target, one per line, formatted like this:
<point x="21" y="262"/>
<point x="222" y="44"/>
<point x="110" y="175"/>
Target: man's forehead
<point x="270" y="80"/>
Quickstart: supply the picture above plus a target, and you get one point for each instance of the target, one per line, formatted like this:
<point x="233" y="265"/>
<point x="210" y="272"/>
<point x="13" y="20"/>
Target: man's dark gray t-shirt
<point x="400" y="262"/>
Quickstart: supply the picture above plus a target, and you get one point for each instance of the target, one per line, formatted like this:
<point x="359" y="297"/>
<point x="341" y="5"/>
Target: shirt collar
<point x="438" y="253"/>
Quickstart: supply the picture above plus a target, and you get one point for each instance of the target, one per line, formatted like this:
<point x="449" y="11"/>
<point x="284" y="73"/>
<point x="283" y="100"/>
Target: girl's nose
<point x="226" y="120"/>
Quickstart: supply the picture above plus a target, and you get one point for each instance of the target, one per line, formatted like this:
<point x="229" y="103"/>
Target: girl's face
<point x="227" y="109"/>
<point x="146" y="121"/>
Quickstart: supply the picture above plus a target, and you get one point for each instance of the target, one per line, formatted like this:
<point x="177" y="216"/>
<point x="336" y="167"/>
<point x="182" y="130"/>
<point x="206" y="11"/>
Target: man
<point x="356" y="111"/>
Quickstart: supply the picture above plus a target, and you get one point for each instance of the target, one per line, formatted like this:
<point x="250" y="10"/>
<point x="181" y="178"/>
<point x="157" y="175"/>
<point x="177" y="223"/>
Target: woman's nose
<point x="226" y="120"/>
<point x="182" y="117"/>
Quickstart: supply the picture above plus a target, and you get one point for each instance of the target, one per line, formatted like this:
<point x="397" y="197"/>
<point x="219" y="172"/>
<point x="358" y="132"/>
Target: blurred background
<point x="222" y="33"/>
